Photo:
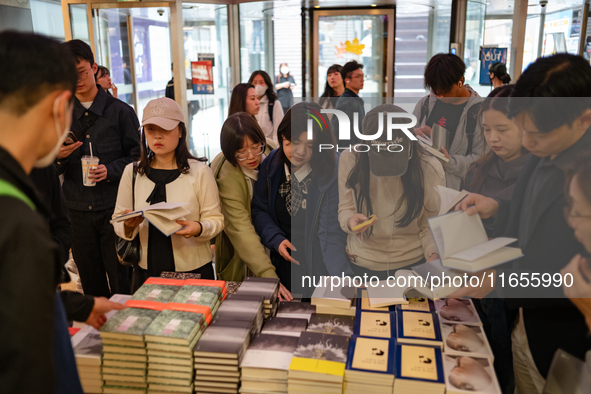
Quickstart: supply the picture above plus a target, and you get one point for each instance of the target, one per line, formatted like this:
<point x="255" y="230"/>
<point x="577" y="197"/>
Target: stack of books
<point x="334" y="300"/>
<point x="297" y="310"/>
<point x="474" y="375"/>
<point x="124" y="352"/>
<point x="370" y="366"/>
<point x="266" y="362"/>
<point x="239" y="307"/>
<point x="318" y="364"/>
<point x="218" y="355"/>
<point x="266" y="287"/>
<point x="376" y="324"/>
<point x="203" y="294"/>
<point x="169" y="341"/>
<point x="418" y="369"/>
<point x="88" y="349"/>
<point x="420" y="328"/>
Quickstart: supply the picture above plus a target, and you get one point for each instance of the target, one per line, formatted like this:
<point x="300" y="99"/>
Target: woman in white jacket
<point x="167" y="172"/>
<point x="271" y="113"/>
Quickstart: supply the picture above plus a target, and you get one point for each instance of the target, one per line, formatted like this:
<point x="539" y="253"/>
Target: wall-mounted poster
<point x="488" y="56"/>
<point x="202" y="76"/>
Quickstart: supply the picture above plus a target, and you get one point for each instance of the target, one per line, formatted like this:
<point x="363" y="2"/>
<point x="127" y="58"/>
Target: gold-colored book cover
<point x="371" y="354"/>
<point x="418" y="362"/>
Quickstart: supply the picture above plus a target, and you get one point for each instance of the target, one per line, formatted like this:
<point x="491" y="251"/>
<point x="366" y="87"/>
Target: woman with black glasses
<point x="238" y="248"/>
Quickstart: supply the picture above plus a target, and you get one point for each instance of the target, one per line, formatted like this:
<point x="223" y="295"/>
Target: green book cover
<point x="157" y="293"/>
<point x="130" y="321"/>
<point x="198" y="295"/>
<point x="176" y="324"/>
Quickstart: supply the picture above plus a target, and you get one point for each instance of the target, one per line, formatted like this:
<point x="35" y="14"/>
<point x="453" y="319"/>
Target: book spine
<point x="157" y="306"/>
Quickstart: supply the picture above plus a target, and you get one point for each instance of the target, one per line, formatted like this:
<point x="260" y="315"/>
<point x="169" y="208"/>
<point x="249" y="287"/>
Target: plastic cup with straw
<point x="88" y="163"/>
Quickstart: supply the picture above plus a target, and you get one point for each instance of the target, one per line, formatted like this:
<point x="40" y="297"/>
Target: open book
<point x="449" y="198"/>
<point x="161" y="215"/>
<point x="419" y="283"/>
<point x="427" y="144"/>
<point x="462" y="243"/>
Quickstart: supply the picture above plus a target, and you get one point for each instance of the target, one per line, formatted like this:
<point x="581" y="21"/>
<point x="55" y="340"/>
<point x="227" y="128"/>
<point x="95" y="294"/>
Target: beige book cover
<point x="417" y="304"/>
<point x="417" y="324"/>
<point x="418" y="362"/>
<point x="375" y="324"/>
<point x="371" y="354"/>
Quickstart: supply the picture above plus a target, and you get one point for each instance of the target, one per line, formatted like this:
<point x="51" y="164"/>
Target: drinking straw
<point x="90" y="144"/>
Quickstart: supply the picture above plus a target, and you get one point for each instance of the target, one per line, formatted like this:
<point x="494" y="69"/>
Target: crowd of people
<point x="275" y="204"/>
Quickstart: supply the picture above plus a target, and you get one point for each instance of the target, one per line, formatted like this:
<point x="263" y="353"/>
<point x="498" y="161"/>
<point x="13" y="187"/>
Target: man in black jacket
<point x="35" y="115"/>
<point x="111" y="126"/>
<point x="79" y="307"/>
<point x="350" y="102"/>
<point x="550" y="105"/>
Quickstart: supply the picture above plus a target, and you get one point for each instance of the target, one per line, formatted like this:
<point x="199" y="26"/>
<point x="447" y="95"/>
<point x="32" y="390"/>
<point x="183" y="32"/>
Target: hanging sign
<point x="202" y="77"/>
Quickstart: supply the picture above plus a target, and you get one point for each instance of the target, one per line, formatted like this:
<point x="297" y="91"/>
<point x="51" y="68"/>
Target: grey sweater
<point x="458" y="164"/>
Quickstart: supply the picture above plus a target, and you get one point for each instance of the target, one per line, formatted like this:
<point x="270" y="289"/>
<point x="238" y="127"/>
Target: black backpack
<point x="470" y="125"/>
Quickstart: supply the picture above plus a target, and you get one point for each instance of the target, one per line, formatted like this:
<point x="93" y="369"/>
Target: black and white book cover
<point x="332" y="324"/>
<point x="318" y="346"/>
<point x="270" y="352"/>
<point x="285" y="326"/>
<point x="298" y="310"/>
<point x="267" y="287"/>
<point x="224" y="339"/>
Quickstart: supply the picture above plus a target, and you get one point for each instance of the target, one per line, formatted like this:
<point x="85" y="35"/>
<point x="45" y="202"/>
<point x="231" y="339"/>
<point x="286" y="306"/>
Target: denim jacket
<point x="115" y="141"/>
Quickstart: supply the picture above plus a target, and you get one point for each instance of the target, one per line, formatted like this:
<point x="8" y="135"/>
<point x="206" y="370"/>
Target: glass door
<point x="134" y="44"/>
<point x="366" y="36"/>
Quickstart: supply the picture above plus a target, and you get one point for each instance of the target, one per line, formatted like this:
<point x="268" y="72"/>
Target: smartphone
<point x="70" y="139"/>
<point x="369" y="220"/>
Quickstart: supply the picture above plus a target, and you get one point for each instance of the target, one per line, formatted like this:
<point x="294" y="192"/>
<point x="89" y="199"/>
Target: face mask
<point x="50" y="157"/>
<point x="259" y="90"/>
<point x="284" y="70"/>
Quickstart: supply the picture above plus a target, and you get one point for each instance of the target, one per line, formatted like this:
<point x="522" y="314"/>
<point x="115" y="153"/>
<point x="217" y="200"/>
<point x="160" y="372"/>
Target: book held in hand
<point x="163" y="216"/>
<point x="449" y="198"/>
<point x="462" y="243"/>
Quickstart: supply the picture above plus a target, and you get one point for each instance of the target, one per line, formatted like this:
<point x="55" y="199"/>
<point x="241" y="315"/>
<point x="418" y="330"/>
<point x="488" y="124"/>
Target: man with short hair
<point x="111" y="126"/>
<point x="35" y="116"/>
<point x="350" y="102"/>
<point x="453" y="105"/>
<point x="551" y="106"/>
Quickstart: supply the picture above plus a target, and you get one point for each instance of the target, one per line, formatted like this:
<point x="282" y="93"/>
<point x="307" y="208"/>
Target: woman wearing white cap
<point x="396" y="184"/>
<point x="167" y="172"/>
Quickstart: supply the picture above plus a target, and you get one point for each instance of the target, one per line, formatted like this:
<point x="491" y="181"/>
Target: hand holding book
<point x="190" y="228"/>
<point x="131" y="223"/>
<point x="474" y="203"/>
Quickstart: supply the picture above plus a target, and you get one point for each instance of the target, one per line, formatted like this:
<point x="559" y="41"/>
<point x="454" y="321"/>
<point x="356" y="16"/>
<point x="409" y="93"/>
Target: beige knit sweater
<point x="389" y="247"/>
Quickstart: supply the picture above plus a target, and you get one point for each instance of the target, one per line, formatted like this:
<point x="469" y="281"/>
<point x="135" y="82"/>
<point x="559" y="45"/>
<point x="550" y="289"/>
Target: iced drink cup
<point x="88" y="162"/>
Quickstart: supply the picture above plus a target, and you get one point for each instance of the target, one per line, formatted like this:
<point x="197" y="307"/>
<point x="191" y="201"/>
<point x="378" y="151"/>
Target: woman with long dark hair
<point x="103" y="78"/>
<point x="333" y="88"/>
<point x="396" y="184"/>
<point x="244" y="99"/>
<point x="270" y="113"/>
<point x="167" y="172"/>
<point x="294" y="207"/>
<point x="495" y="172"/>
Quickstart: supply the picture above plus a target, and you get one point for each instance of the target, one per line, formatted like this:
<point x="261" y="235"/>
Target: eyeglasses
<point x="361" y="76"/>
<point x="82" y="75"/>
<point x="256" y="151"/>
